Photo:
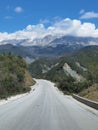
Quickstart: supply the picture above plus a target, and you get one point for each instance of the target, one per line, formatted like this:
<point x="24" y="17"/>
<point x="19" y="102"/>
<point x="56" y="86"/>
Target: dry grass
<point x="28" y="79"/>
<point x="91" y="93"/>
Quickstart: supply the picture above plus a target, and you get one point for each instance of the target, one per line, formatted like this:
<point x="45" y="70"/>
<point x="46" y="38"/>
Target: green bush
<point x="12" y="75"/>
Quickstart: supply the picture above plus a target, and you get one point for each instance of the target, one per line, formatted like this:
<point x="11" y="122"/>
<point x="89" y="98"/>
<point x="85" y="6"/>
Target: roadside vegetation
<point x="14" y="77"/>
<point x="90" y="93"/>
<point x="84" y="62"/>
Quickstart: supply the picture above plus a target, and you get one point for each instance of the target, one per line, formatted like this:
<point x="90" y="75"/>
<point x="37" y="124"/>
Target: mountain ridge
<point x="52" y="47"/>
<point x="50" y="40"/>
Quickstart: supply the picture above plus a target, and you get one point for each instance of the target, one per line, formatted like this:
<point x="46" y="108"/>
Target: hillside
<point x="14" y="77"/>
<point x="74" y="72"/>
<point x="41" y="66"/>
<point x="88" y="59"/>
<point x="90" y="93"/>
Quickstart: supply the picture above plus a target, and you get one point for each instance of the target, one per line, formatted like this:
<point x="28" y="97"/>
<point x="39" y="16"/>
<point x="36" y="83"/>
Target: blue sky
<point x="35" y="11"/>
<point x="21" y="19"/>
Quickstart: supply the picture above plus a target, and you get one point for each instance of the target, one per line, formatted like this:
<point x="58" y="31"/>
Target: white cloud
<point x="44" y="21"/>
<point x="18" y="9"/>
<point x="65" y="26"/>
<point x="88" y="15"/>
<point x="82" y="11"/>
<point x="87" y="29"/>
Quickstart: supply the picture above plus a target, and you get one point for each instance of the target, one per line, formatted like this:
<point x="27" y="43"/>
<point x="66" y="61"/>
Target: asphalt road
<point x="46" y="109"/>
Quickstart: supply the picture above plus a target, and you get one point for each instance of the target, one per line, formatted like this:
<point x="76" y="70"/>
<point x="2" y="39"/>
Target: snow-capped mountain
<point x="28" y="42"/>
<point x="47" y="46"/>
<point x="74" y="41"/>
<point x="54" y="41"/>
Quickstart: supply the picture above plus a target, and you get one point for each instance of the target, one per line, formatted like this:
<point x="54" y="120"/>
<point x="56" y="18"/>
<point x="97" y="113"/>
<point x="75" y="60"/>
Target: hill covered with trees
<point x="82" y="64"/>
<point x="14" y="77"/>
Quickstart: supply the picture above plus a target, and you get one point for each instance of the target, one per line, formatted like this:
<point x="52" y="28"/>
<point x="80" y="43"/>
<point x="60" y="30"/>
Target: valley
<point x="70" y="62"/>
<point x="72" y="73"/>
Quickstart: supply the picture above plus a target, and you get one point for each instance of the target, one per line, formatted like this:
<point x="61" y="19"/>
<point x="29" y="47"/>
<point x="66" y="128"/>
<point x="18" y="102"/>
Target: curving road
<point x="46" y="109"/>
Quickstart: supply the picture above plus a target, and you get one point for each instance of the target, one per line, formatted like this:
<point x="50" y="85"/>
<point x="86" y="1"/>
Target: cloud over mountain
<point x="62" y="27"/>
